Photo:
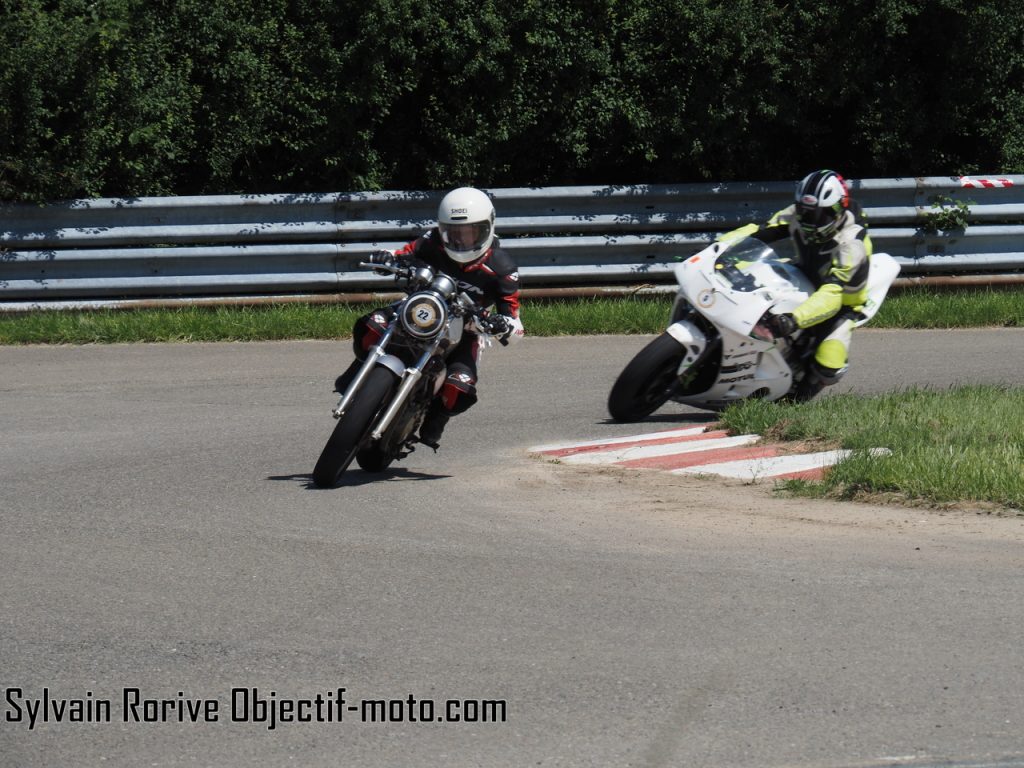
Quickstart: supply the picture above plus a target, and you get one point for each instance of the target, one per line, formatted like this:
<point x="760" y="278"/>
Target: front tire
<point x="348" y="433"/>
<point x="374" y="459"/>
<point x="647" y="382"/>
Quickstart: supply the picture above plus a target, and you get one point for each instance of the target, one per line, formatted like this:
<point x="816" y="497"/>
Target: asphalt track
<point x="159" y="533"/>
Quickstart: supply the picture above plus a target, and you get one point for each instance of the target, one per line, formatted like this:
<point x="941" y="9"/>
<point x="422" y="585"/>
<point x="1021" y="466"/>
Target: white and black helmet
<point x="821" y="201"/>
<point x="465" y="219"/>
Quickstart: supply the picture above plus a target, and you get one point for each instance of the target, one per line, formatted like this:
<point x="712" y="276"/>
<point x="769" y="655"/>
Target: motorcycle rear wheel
<point x="646" y="383"/>
<point x="348" y="433"/>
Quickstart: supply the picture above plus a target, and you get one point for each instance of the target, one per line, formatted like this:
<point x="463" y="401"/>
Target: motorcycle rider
<point x="464" y="246"/>
<point x="830" y="232"/>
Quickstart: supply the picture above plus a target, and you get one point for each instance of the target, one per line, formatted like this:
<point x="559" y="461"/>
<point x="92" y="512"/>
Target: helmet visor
<point x="466" y="237"/>
<point x="814" y="216"/>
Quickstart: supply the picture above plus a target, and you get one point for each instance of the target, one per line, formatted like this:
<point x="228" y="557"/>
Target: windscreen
<point x="750" y="264"/>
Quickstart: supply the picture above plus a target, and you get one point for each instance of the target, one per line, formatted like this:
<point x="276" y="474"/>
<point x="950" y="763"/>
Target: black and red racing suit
<point x="491" y="280"/>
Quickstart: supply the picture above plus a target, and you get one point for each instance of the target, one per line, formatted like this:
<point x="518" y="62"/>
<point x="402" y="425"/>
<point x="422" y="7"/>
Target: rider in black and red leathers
<point x="463" y="246"/>
<point x="492" y="279"/>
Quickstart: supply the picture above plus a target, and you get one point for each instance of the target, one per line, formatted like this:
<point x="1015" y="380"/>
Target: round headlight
<point x="424" y="315"/>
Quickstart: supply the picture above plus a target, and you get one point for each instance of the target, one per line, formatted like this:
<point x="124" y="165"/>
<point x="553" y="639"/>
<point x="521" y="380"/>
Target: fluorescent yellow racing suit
<point x="838" y="268"/>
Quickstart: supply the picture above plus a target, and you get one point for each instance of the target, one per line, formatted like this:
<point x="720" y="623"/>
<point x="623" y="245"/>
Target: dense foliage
<point x="155" y="97"/>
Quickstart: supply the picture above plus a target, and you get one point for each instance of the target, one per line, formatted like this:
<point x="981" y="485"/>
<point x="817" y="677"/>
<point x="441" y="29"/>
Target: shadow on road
<point x="357" y="477"/>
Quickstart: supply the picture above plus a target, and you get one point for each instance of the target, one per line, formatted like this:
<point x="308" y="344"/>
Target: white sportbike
<point x="718" y="348"/>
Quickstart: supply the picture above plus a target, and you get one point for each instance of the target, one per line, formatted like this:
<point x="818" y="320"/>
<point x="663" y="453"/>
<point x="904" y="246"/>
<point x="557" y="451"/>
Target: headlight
<point x="424" y="315"/>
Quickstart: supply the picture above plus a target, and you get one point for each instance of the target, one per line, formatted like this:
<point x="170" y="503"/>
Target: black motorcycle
<point x="383" y="406"/>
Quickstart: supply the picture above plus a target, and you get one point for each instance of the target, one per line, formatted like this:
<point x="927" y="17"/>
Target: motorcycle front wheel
<point x="348" y="433"/>
<point x="647" y="382"/>
<point x="374" y="459"/>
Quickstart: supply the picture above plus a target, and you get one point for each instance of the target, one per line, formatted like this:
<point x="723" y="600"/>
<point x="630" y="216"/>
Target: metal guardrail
<point x="135" y="248"/>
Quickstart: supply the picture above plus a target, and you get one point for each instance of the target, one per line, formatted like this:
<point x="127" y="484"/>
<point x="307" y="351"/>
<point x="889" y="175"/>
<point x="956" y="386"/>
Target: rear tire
<point x="647" y="382"/>
<point x="348" y="433"/>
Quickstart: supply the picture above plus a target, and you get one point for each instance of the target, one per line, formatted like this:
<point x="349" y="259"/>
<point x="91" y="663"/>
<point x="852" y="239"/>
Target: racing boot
<point x="816" y="379"/>
<point x="433" y="425"/>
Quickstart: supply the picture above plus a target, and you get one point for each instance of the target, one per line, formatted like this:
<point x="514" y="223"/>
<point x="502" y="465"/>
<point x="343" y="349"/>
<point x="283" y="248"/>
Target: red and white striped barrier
<point x="697" y="450"/>
<point x="967" y="181"/>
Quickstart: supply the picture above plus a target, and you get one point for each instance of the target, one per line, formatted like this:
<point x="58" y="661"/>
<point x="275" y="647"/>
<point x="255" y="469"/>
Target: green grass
<point x="961" y="308"/>
<point x="964" y="444"/>
<point x="914" y="308"/>
<point x="283" y="321"/>
<point x="301" y="321"/>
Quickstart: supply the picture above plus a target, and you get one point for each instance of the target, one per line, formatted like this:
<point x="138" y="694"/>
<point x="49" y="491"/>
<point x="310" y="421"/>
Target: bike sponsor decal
<point x="738" y="367"/>
<point x="739" y="355"/>
<point x="734" y="379"/>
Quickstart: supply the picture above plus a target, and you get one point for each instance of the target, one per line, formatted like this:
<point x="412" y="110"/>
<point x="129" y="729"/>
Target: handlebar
<point x="493" y="325"/>
<point x="385" y="263"/>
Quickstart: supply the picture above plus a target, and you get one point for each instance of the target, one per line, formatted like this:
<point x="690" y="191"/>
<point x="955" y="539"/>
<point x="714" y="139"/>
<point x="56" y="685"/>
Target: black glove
<point x="497" y="325"/>
<point x="385" y="258"/>
<point x="781" y="325"/>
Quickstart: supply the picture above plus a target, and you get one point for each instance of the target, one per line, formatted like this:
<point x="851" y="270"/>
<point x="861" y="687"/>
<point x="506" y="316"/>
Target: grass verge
<point x="965" y="444"/>
<point x="913" y="308"/>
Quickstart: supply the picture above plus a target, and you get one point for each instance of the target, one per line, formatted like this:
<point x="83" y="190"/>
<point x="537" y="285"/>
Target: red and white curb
<point x="696" y="451"/>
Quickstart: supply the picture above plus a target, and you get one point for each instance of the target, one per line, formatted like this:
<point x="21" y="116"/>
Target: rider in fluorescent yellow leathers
<point x="830" y="232"/>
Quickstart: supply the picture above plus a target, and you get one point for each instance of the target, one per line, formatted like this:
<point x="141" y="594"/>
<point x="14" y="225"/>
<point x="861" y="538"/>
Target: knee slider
<point x="458" y="394"/>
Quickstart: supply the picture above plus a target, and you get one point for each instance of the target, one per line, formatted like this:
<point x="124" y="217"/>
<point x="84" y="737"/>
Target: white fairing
<point x="733" y="285"/>
<point x="693" y="340"/>
<point x="884" y="269"/>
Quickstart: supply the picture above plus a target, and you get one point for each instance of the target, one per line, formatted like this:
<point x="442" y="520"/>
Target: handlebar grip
<point x="497" y="325"/>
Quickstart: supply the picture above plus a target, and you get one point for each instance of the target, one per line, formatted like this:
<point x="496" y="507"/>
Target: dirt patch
<point x="596" y="492"/>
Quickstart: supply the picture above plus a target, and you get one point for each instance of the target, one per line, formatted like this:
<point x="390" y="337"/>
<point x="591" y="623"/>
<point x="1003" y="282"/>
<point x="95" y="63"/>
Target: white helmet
<point x="821" y="201"/>
<point x="465" y="219"/>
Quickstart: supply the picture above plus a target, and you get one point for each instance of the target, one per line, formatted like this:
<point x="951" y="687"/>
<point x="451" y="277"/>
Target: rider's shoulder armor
<point x="501" y="261"/>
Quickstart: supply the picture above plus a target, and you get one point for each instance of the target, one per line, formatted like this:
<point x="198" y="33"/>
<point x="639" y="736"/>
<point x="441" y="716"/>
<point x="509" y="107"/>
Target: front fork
<point x="409" y="379"/>
<point x="376" y="353"/>
<point x="410" y="376"/>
